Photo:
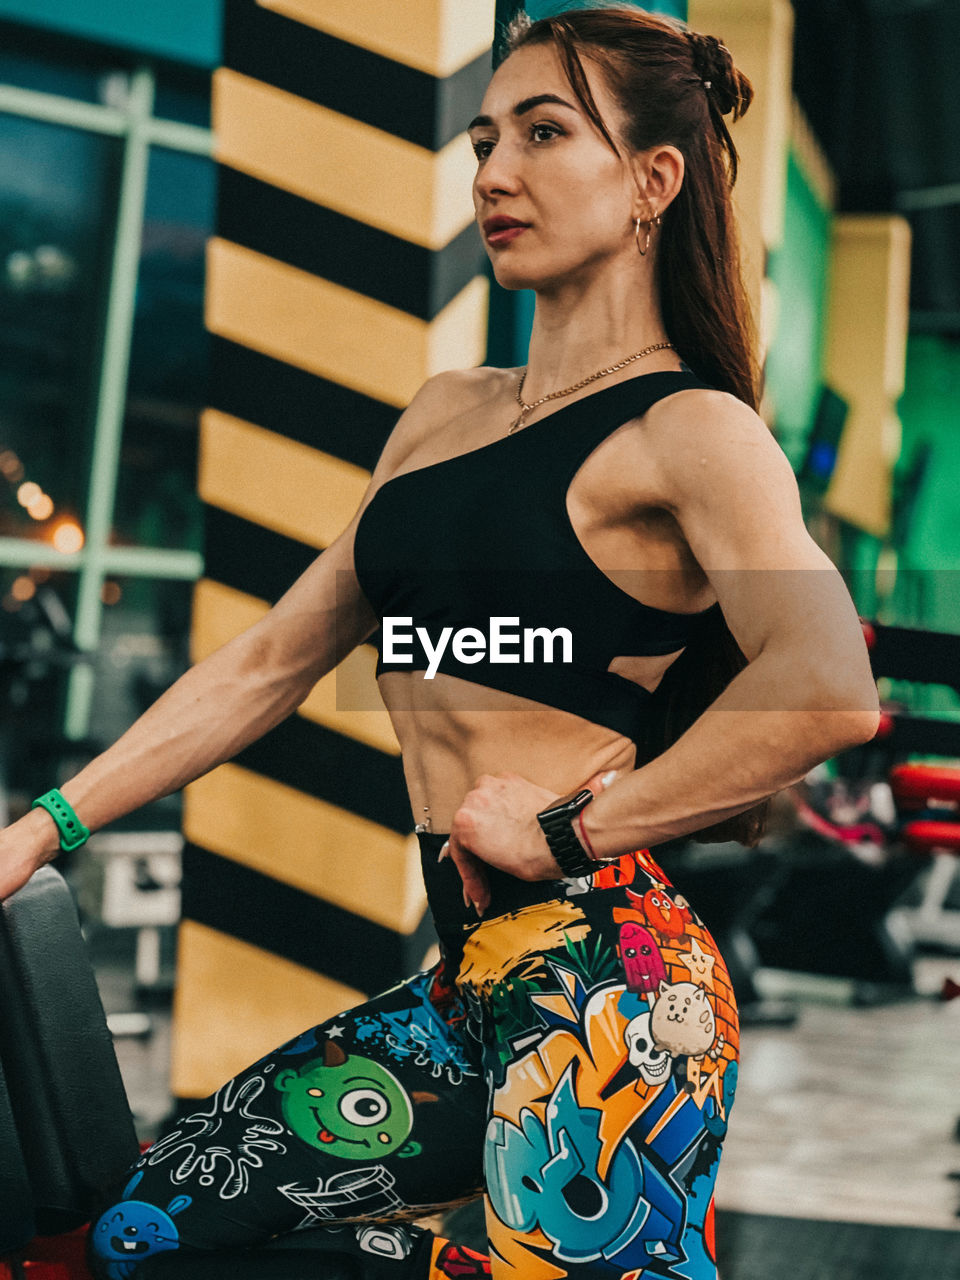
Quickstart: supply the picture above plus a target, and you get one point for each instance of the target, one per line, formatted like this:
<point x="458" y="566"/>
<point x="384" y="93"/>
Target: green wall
<point x="913" y="579"/>
<point x="930" y="544"/>
<point x="799" y="269"/>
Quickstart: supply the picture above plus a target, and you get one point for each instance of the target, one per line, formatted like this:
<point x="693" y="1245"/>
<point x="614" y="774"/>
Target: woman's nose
<point x="499" y="174"/>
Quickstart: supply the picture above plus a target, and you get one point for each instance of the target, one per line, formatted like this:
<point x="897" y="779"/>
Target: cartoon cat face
<point x="682" y="1020"/>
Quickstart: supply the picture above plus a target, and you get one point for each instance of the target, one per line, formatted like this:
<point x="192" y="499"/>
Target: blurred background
<point x="235" y="237"/>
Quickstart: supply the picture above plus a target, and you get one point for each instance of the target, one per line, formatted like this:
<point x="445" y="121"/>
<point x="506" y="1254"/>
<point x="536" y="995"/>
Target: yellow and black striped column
<point x="345" y="270"/>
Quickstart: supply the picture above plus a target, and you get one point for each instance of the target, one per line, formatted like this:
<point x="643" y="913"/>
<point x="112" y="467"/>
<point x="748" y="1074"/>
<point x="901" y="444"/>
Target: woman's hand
<point x="497" y="825"/>
<point x="25" y="846"/>
<point x="19" y="859"/>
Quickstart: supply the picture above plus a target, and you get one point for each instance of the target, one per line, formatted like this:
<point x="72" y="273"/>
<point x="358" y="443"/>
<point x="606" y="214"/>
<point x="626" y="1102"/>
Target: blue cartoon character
<point x="715" y="1119"/>
<point x="349" y="1106"/>
<point x="544" y="1174"/>
<point x="133" y="1230"/>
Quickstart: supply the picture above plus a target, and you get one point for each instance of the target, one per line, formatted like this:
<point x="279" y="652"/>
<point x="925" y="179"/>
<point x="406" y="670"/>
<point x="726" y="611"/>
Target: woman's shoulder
<point x="687" y="416"/>
<point x="452" y="392"/>
<point x="701" y="435"/>
<point x="443" y="396"/>
<point x="476" y="384"/>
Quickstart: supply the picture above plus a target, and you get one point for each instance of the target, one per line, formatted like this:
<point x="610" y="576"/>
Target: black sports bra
<point x="452" y="546"/>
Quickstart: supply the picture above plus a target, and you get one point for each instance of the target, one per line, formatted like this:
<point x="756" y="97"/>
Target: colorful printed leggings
<point x="575" y="1052"/>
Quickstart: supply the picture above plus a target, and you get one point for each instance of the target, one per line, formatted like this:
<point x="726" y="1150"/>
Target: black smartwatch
<point x="557" y="825"/>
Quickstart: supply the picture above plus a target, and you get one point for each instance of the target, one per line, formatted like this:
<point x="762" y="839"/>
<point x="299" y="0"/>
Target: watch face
<point x="571" y="804"/>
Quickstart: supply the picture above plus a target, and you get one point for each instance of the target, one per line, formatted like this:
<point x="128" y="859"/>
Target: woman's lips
<point x="504" y="235"/>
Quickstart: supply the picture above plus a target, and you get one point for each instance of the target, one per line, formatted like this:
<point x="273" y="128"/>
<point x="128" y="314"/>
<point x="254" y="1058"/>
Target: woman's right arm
<point x="238" y="693"/>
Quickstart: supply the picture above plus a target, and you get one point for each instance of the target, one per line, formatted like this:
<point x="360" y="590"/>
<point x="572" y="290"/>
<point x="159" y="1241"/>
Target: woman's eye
<point x="538" y="132"/>
<point x="552" y="131"/>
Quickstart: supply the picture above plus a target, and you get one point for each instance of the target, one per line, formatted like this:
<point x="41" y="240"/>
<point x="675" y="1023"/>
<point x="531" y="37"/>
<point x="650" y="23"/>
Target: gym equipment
<point x="131" y="880"/>
<point x="835" y="911"/>
<point x="37" y="650"/>
<point x="16" y="1222"/>
<point x="66" y="1132"/>
<point x="929" y="795"/>
<point x="70" y="1128"/>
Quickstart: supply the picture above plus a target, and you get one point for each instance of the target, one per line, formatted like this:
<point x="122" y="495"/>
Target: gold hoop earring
<point x="646" y="244"/>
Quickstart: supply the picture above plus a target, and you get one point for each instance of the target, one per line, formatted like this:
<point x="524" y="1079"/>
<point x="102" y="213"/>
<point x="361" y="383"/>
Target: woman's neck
<point x="579" y="330"/>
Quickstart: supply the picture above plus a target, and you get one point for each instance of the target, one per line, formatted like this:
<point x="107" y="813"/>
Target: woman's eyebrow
<point x="527" y="104"/>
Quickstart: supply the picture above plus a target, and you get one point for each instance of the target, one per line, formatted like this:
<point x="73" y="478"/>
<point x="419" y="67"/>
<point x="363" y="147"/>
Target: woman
<point x="576" y="1046"/>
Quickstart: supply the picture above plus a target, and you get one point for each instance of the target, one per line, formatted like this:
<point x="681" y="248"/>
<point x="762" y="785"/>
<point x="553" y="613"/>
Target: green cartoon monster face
<point x="349" y="1106"/>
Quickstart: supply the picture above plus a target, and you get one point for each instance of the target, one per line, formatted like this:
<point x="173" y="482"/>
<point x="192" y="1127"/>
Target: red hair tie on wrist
<point x="584" y="837"/>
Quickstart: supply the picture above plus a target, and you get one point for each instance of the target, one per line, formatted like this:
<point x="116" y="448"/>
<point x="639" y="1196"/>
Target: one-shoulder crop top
<point x="485" y="535"/>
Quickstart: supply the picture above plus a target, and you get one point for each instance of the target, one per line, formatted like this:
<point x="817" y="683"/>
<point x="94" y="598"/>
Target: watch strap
<point x="72" y="831"/>
<point x="556" y="822"/>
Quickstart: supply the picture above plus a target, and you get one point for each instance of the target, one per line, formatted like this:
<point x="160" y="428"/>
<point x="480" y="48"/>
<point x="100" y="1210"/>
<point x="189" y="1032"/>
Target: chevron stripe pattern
<point x="344" y="271"/>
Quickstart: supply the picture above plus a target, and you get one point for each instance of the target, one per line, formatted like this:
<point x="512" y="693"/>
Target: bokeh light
<point x="41" y="508"/>
<point x="68" y="537"/>
<point x="11" y="466"/>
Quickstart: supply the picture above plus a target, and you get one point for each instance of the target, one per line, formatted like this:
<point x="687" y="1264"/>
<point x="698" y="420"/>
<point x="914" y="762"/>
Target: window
<point x="106" y="200"/>
<point x="156" y="502"/>
<point x="56" y="187"/>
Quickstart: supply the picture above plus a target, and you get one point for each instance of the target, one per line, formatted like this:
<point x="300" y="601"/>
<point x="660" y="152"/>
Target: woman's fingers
<point x="600" y="781"/>
<point x="497" y="817"/>
<point x="15" y="875"/>
<point x="476" y="890"/>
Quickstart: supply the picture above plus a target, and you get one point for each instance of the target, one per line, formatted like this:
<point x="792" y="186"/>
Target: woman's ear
<point x="667" y="168"/>
<point x="658" y="176"/>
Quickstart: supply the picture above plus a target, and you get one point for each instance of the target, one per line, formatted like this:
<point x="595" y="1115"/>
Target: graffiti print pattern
<point x="574" y="1053"/>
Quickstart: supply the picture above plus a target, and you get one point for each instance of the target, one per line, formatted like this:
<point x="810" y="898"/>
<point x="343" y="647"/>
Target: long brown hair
<point x="656" y="68"/>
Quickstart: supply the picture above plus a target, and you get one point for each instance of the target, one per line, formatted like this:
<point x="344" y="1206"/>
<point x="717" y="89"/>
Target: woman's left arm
<point x="806" y="693"/>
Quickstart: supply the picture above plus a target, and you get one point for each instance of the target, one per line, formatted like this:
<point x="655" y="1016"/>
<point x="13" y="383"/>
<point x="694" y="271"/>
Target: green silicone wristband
<point x="72" y="831"/>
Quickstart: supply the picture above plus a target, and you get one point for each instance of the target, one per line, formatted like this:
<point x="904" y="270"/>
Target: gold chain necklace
<point x="526" y="408"/>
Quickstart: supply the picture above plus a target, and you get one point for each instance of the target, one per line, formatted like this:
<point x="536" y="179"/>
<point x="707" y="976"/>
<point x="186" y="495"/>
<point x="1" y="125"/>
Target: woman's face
<point x="544" y="164"/>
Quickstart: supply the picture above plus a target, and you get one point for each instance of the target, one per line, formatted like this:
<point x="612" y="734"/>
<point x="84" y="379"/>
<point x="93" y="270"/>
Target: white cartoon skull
<point x="652" y="1062"/>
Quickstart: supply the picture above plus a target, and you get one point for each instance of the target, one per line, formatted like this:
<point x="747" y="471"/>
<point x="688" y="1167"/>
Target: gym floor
<point x="839" y="1159"/>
